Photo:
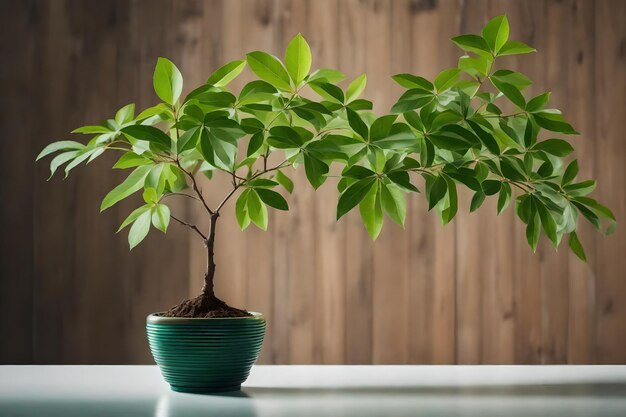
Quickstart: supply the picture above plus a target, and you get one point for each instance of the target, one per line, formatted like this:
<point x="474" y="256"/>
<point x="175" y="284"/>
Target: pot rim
<point x="154" y="319"/>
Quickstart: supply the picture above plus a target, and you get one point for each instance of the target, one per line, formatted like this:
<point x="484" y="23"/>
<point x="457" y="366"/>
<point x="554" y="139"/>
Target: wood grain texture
<point x="470" y="292"/>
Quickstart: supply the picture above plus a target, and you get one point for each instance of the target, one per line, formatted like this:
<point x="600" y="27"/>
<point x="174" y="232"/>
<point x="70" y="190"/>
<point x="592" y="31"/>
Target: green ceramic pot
<point x="205" y="355"/>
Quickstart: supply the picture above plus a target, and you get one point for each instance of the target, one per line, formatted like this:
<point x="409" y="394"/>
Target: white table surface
<point x="503" y="391"/>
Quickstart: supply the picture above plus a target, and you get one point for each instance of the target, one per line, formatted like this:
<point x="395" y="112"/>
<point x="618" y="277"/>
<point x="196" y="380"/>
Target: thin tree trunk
<point x="207" y="289"/>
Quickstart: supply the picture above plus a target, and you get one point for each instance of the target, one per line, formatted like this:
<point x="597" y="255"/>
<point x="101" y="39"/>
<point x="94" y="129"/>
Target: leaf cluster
<point x="473" y="126"/>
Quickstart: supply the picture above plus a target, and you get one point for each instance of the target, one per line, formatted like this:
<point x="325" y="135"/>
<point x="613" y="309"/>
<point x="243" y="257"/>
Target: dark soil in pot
<point x="204" y="306"/>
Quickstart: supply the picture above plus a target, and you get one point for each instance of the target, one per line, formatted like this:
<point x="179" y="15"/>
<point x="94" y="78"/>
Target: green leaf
<point x="554" y="122"/>
<point x="599" y="209"/>
<point x="256" y="142"/>
<point x="326" y="75"/>
<point x="372" y="212"/>
<point x="133" y="216"/>
<point x="285" y="181"/>
<point x="516" y="79"/>
<point x="491" y="187"/>
<point x="272" y="199"/>
<point x="161" y="217"/>
<point x="413" y="81"/>
<point x="133" y="183"/>
<point x="511" y="92"/>
<point x="361" y="104"/>
<point x="270" y="69"/>
<point x="241" y="210"/>
<point x="477" y="67"/>
<point x="393" y="202"/>
<point x="515" y="48"/>
<point x="557" y="147"/>
<point x="225" y="74"/>
<point x="504" y="197"/>
<point x="446" y="79"/>
<point x="496" y="33"/>
<point x="298" y="59"/>
<point x="218" y="149"/>
<point x="328" y="91"/>
<point x="512" y="170"/>
<point x="413" y="99"/>
<point x="580" y="188"/>
<point x="257" y="210"/>
<point x="64" y="145"/>
<point x="89" y="130"/>
<point x="477" y="201"/>
<point x="167" y="81"/>
<point x="570" y="172"/>
<point x="538" y="103"/>
<point x="188" y="140"/>
<point x="532" y="230"/>
<point x="162" y="110"/>
<point x="486" y="138"/>
<point x="472" y="43"/>
<point x="150" y="134"/>
<point x="577" y="247"/>
<point x="530" y="134"/>
<point x="402" y="179"/>
<point x="131" y="160"/>
<point x="437" y="191"/>
<point x="284" y="137"/>
<point x="382" y="126"/>
<point x="357" y="124"/>
<point x="450" y="211"/>
<point x="315" y="170"/>
<point x="356" y="87"/>
<point x="139" y="229"/>
<point x="353" y="195"/>
<point x="60" y="159"/>
<point x="358" y="172"/>
<point x="80" y="157"/>
<point x="150" y="195"/>
<point x="548" y="223"/>
<point x="125" y="114"/>
<point x="262" y="183"/>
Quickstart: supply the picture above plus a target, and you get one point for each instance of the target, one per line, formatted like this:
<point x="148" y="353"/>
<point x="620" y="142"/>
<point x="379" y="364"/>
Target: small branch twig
<point x="195" y="188"/>
<point x="241" y="183"/>
<point x="191" y="226"/>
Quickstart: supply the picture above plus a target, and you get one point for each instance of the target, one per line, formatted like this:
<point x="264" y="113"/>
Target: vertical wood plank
<point x="329" y="313"/>
<point x="259" y="270"/>
<point x="16" y="256"/>
<point x="474" y="271"/>
<point x="530" y="19"/>
<point x="390" y="301"/>
<point x="580" y="88"/>
<point x="358" y="246"/>
<point x="610" y="77"/>
<point x="432" y="251"/>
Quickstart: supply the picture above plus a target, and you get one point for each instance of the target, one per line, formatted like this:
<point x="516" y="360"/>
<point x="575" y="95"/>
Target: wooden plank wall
<point x="472" y="292"/>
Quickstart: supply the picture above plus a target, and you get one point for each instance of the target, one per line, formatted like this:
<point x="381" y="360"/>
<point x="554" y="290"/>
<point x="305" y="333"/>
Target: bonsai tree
<point x="450" y="132"/>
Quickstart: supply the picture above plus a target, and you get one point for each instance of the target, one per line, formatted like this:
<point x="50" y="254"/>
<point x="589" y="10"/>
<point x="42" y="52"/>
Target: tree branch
<point x="195" y="187"/>
<point x="241" y="183"/>
<point x="191" y="226"/>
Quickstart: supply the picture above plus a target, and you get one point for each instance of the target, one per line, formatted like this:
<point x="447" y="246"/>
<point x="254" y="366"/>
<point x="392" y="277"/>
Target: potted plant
<point x="450" y="132"/>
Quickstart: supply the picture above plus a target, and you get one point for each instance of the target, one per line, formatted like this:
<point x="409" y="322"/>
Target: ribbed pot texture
<point x="205" y="355"/>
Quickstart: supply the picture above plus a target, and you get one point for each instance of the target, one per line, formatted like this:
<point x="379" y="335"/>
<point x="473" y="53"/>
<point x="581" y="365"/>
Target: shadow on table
<point x="599" y="389"/>
<point x="572" y="400"/>
<point x="235" y="404"/>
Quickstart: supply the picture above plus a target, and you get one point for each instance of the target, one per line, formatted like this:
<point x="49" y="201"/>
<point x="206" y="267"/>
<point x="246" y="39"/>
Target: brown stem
<point x="207" y="289"/>
<point x="191" y="226"/>
<point x="195" y="188"/>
